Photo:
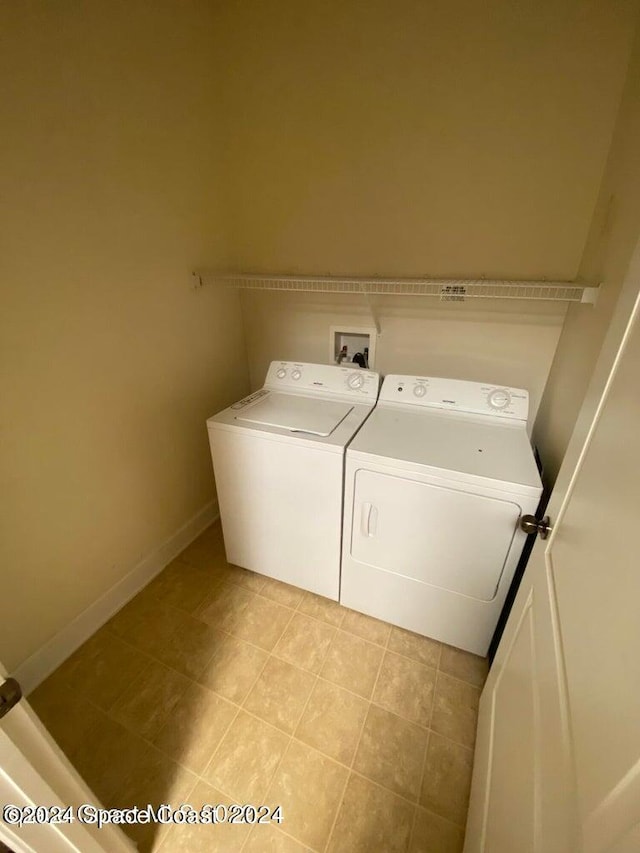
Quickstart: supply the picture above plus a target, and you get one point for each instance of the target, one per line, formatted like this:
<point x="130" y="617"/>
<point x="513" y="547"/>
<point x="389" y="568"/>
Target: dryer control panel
<point x="351" y="382"/>
<point x="456" y="395"/>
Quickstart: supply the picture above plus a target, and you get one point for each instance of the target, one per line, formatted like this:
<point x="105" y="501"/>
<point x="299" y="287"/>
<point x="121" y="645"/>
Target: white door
<point x="34" y="772"/>
<point x="432" y="534"/>
<point x="557" y="763"/>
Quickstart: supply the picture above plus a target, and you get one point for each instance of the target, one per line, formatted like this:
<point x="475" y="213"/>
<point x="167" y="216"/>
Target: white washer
<point x="278" y="459"/>
<point x="435" y="484"/>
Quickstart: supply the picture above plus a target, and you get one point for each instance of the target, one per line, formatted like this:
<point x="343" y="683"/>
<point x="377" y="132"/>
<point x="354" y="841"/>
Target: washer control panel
<point x="456" y="395"/>
<point x="350" y="382"/>
<point x="250" y="399"/>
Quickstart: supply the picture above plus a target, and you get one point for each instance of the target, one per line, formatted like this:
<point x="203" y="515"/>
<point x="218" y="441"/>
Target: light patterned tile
<point x="332" y="721"/>
<point x="109" y="761"/>
<point x="282" y="593"/>
<point x="434" y="834"/>
<point x="464" y="665"/>
<point x="196" y="727"/>
<point x="222" y="837"/>
<point x="371" y="818"/>
<point x="391" y="752"/>
<point x="447" y="779"/>
<point x="262" y="623"/>
<point x="190" y="646"/>
<point x="155" y="780"/>
<point x="225" y="607"/>
<point x="308" y="786"/>
<point x="406" y="687"/>
<point x="103" y="668"/>
<point x="280" y="694"/>
<point x="322" y="608"/>
<point x="269" y="838"/>
<point x="244" y="577"/>
<point x="246" y="760"/>
<point x="352" y="663"/>
<point x="455" y="710"/>
<point x="143" y="619"/>
<point x="366" y="627"/>
<point x="184" y="586"/>
<point x="305" y="642"/>
<point x="71" y="720"/>
<point x="234" y="668"/>
<point x="207" y="551"/>
<point x="151" y="700"/>
<point x="423" y="649"/>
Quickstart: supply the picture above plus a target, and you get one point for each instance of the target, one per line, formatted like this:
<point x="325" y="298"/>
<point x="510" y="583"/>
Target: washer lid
<point x="473" y="446"/>
<point x="297" y="414"/>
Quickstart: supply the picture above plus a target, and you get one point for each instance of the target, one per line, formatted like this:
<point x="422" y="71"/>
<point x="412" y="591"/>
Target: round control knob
<point x="355" y="381"/>
<point x="296" y="374"/>
<point x="419" y="390"/>
<point x="499" y="399"/>
<point x="281" y="373"/>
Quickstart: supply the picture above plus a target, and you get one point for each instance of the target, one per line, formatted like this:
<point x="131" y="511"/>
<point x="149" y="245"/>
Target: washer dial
<point x="419" y="390"/>
<point x="281" y="373"/>
<point x="296" y="374"/>
<point x="355" y="381"/>
<point x="499" y="399"/>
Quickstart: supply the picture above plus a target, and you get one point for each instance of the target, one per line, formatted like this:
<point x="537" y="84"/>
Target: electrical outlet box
<point x="345" y="342"/>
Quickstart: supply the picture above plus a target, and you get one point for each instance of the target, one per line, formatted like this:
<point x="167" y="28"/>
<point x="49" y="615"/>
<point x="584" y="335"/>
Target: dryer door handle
<point x="369" y="519"/>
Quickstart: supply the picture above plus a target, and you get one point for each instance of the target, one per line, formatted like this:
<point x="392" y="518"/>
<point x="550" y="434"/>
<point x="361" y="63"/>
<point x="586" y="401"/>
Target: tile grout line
<point x="240" y="707"/>
<point x="271" y="653"/>
<point x="292" y="736"/>
<point x="318" y="677"/>
<point x="193" y="680"/>
<point x="288" y="747"/>
<point x="357" y="746"/>
<point x="193" y="614"/>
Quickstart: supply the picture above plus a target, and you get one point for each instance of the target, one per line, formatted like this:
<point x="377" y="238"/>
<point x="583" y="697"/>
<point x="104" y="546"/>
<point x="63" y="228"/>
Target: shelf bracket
<point x="372" y="309"/>
<point x="589" y="295"/>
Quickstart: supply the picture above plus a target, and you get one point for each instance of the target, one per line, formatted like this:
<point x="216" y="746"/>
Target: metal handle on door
<point x="531" y="525"/>
<point x="369" y="519"/>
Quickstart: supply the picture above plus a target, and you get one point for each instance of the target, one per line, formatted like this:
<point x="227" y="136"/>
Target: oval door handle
<point x="532" y="525"/>
<point x="369" y="519"/>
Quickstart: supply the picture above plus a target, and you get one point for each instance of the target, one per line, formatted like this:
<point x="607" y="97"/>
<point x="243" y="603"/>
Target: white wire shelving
<point x="447" y="290"/>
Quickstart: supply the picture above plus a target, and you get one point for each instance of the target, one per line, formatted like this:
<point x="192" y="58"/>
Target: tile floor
<point x="219" y="685"/>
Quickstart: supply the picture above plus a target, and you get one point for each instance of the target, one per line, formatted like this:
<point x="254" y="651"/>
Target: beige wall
<point x="613" y="236"/>
<point x="508" y="343"/>
<point x="408" y="137"/>
<point x="110" y="363"/>
<point x="437" y="138"/>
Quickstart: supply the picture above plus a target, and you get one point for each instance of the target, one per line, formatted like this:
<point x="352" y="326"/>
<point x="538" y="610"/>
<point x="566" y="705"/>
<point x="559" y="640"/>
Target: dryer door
<point x="443" y="537"/>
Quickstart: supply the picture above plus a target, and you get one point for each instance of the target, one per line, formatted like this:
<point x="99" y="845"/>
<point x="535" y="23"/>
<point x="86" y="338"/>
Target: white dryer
<point x="435" y="484"/>
<point x="278" y="459"/>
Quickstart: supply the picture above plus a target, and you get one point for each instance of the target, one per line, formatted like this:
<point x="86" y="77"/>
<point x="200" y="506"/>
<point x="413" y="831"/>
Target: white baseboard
<point x="42" y="663"/>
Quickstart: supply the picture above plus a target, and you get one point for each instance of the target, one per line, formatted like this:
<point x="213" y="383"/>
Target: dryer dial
<point x="296" y="374"/>
<point x="355" y="381"/>
<point x="281" y="373"/>
<point x="419" y="390"/>
<point x="499" y="399"/>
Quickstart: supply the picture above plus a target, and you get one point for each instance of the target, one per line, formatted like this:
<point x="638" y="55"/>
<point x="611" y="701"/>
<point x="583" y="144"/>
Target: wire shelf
<point x="447" y="290"/>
